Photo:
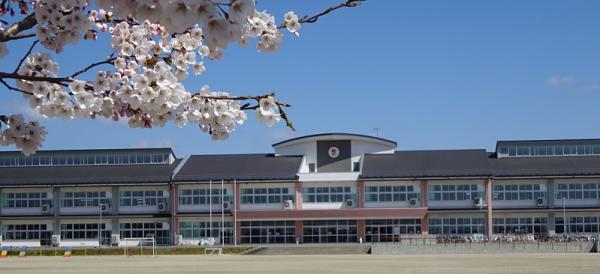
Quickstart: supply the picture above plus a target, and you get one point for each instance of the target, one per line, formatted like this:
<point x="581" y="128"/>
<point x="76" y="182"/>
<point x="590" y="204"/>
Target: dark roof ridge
<point x="550" y="140"/>
<point x="437" y="150"/>
<point x="244" y="154"/>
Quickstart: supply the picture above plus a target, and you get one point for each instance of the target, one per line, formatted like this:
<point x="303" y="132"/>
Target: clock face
<point x="333" y="152"/>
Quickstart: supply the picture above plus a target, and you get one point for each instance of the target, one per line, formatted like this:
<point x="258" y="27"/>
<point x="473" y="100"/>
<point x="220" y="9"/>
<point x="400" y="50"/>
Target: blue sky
<point x="431" y="74"/>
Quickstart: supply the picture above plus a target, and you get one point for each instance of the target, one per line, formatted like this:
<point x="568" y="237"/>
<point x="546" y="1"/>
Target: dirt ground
<point x="492" y="263"/>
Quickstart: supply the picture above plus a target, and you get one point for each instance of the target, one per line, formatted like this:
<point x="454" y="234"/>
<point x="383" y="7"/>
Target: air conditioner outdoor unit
<point x="55" y="240"/>
<point x="350" y="203"/>
<point x="162" y="207"/>
<point x="288" y="204"/>
<point x="46" y="208"/>
<point x="413" y="202"/>
<point x="478" y="202"/>
<point x="105" y="208"/>
<point x="226" y="205"/>
<point x="540" y="202"/>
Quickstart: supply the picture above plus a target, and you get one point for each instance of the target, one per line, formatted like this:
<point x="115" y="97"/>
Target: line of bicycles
<point x="516" y="238"/>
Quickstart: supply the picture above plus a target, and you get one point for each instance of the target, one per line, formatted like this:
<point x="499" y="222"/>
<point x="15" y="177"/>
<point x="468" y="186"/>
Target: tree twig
<point x="25" y="56"/>
<point x="238" y="98"/>
<point x="288" y="122"/>
<point x="9" y="87"/>
<point x="55" y="80"/>
<point x="12" y="31"/>
<point x="19" y="36"/>
<point x="314" y="18"/>
<point x="107" y="61"/>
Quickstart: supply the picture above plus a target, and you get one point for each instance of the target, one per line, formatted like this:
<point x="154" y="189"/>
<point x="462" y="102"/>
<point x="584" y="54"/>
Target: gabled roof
<point x="336" y="135"/>
<point x="546" y="166"/>
<point x="427" y="164"/>
<point x="241" y="167"/>
<point x="87" y="175"/>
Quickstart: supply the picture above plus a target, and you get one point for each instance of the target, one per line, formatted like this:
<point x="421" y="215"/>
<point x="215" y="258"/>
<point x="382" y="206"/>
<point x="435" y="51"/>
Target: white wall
<point x="79" y="243"/>
<point x="307" y="149"/>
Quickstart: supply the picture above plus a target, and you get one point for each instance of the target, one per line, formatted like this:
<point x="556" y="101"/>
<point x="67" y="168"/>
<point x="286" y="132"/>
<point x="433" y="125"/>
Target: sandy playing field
<point x="497" y="263"/>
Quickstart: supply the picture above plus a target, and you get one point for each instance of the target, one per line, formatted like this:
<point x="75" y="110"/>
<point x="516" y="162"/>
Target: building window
<point x="143" y="198"/>
<point x="390" y="193"/>
<point x="526" y="225"/>
<point x="203" y="196"/>
<point x="83" y="159"/>
<point x="454" y="192"/>
<point x="456" y="226"/>
<point x="268" y="232"/>
<point x="265" y="195"/>
<point x="39" y="232"/>
<point x="312" y="168"/>
<point x="25" y="199"/>
<point x="548" y="150"/>
<point x="197" y="230"/>
<point x="577" y="191"/>
<point x="389" y="230"/>
<point x="84" y="199"/>
<point x="578" y="224"/>
<point x="327" y="194"/>
<point x="158" y="231"/>
<point x="330" y="231"/>
<point x="513" y="192"/>
<point x="84" y="231"/>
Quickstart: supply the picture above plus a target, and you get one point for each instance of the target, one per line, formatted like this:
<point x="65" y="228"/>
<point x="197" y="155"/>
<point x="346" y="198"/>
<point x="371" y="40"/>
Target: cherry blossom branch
<point x="84" y="70"/>
<point x="314" y="18"/>
<point x="239" y="98"/>
<point x="54" y="80"/>
<point x="12" y="32"/>
<point x="9" y="87"/>
<point x="284" y="116"/>
<point x="25" y="56"/>
<point x="18" y="36"/>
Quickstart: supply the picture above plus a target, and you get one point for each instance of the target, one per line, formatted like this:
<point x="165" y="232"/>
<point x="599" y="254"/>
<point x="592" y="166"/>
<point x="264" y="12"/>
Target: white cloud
<point x="560" y="81"/>
<point x="149" y="143"/>
<point x="20" y="107"/>
<point x="591" y="88"/>
<point x="570" y="83"/>
<point x="283" y="134"/>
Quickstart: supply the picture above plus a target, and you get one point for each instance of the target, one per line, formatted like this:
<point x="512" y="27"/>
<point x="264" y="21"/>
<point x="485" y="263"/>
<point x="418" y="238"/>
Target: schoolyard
<point x="448" y="263"/>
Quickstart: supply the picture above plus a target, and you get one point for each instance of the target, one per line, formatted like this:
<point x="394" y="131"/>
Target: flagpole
<point x="210" y="208"/>
<point x="235" y="201"/>
<point x="222" y="216"/>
